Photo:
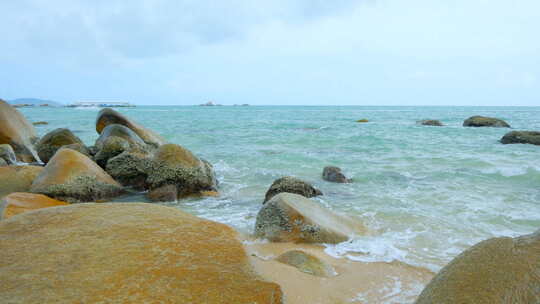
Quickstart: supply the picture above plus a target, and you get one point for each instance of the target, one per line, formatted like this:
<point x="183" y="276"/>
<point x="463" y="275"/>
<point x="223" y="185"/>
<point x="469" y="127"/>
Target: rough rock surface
<point x="17" y="178"/>
<point x="175" y="165"/>
<point x="521" y="137"/>
<point x="291" y="217"/>
<point x="130" y="169"/>
<point x="2" y="162"/>
<point x="72" y="177"/>
<point x="431" y="122"/>
<point x="109" y="148"/>
<point x="496" y="271"/>
<point x="16" y="131"/>
<point x="307" y="263"/>
<point x="333" y="174"/>
<point x="481" y="121"/>
<point x="7" y="154"/>
<point x="292" y="185"/>
<point x="120" y="131"/>
<point x="109" y="116"/>
<point x="125" y="253"/>
<point x="20" y="202"/>
<point x="54" y="140"/>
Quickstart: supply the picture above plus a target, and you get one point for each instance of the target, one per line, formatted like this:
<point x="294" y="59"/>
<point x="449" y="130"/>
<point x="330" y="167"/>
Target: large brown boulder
<point x="54" y="140"/>
<point x="496" y="271"/>
<point x="7" y="154"/>
<point x="291" y="185"/>
<point x="481" y="121"/>
<point x="175" y="165"/>
<point x="289" y="217"/>
<point x="521" y="137"/>
<point x="16" y="131"/>
<point x="17" y="178"/>
<point x="125" y="253"/>
<point x="20" y="202"/>
<point x="109" y="116"/>
<point x="73" y="177"/>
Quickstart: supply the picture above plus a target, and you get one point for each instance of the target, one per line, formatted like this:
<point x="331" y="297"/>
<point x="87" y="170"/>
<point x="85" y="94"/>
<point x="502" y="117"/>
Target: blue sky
<point x="371" y="52"/>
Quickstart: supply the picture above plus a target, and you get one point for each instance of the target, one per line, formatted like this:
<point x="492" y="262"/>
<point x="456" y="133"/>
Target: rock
<point x="333" y="174"/>
<point x="498" y="270"/>
<point x="307" y="263"/>
<point x="7" y="154"/>
<point x="81" y="148"/>
<point x="167" y="193"/>
<point x="481" y="121"/>
<point x="131" y="169"/>
<point x="110" y="148"/>
<point x="175" y="165"/>
<point x="54" y="140"/>
<point x="19" y="202"/>
<point x="40" y="123"/>
<point x="109" y="116"/>
<point x="120" y="131"/>
<point x="362" y="120"/>
<point x="292" y="185"/>
<point x="17" y="178"/>
<point x="73" y="177"/>
<point x="16" y="131"/>
<point x="431" y="122"/>
<point x="125" y="253"/>
<point x="521" y="137"/>
<point x="291" y="217"/>
<point x="2" y="162"/>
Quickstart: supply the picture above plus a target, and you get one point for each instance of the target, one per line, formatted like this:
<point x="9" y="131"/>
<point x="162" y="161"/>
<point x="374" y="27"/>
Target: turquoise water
<point x="426" y="192"/>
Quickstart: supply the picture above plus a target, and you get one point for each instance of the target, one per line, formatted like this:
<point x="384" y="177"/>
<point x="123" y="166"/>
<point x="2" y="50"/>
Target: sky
<point x="279" y="52"/>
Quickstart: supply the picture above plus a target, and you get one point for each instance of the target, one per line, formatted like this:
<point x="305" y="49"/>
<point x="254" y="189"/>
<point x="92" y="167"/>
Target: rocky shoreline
<point x="64" y="241"/>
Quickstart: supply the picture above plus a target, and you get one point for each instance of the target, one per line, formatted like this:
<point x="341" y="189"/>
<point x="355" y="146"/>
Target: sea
<point x="426" y="193"/>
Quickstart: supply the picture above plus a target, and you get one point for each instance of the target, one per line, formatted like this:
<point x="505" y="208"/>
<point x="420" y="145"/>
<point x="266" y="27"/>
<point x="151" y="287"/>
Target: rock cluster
<point x="54" y="140"/>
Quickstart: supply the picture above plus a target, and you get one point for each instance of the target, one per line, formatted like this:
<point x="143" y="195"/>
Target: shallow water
<point x="428" y="192"/>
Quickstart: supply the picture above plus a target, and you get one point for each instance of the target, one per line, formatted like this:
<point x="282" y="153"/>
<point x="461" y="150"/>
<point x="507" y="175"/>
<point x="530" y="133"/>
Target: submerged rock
<point x="175" y="165"/>
<point x="362" y="120"/>
<point x="109" y="116"/>
<point x="291" y="217"/>
<point x="333" y="174"/>
<point x="40" y="123"/>
<point x="17" y="178"/>
<point x="481" y="121"/>
<point x="54" y="140"/>
<point x="125" y="253"/>
<point x="498" y="270"/>
<point x="307" y="263"/>
<point x="16" y="131"/>
<point x="20" y="202"/>
<point x="130" y="169"/>
<point x="431" y="122"/>
<point x="73" y="177"/>
<point x="7" y="154"/>
<point x="291" y="185"/>
<point x="521" y="137"/>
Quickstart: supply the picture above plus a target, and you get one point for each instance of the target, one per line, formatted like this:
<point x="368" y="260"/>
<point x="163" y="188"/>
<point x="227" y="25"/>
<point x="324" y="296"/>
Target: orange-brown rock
<point x="73" y="177"/>
<point x="17" y="178"/>
<point x="125" y="253"/>
<point x="109" y="116"/>
<point x="20" y="202"/>
<point x="18" y="132"/>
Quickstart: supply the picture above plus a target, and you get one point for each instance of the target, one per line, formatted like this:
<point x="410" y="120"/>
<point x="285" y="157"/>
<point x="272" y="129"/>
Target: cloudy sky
<point x="314" y="52"/>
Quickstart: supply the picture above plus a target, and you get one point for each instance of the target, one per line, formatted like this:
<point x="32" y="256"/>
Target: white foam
<point x="366" y="249"/>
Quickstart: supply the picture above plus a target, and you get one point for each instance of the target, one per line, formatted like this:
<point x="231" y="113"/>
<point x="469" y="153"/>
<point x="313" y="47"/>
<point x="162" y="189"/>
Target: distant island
<point x="209" y="104"/>
<point x="34" y="102"/>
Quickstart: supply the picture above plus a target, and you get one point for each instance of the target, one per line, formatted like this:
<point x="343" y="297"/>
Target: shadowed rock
<point x="291" y="217"/>
<point x="109" y="148"/>
<point x="125" y="253"/>
<point x="109" y="116"/>
<point x="3" y="162"/>
<point x="521" y="137"/>
<point x="7" y="154"/>
<point x="20" y="202"/>
<point x="54" y="140"/>
<point x="130" y="169"/>
<point x="291" y="185"/>
<point x="431" y="122"/>
<point x="116" y="130"/>
<point x="73" y="177"/>
<point x="496" y="271"/>
<point x="16" y="131"/>
<point x="333" y="174"/>
<point x="307" y="263"/>
<point x="481" y="121"/>
<point x="17" y="178"/>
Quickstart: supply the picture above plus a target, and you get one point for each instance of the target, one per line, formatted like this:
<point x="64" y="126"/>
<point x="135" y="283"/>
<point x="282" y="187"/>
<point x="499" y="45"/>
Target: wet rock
<point x="73" y="177"/>
<point x="125" y="253"/>
<point x="20" y="202"/>
<point x="481" y="121"/>
<point x="16" y="131"/>
<point x="431" y="122"/>
<point x="521" y="137"/>
<point x="130" y="169"/>
<point x="167" y="193"/>
<point x="17" y="178"/>
<point x="109" y="116"/>
<point x="307" y="263"/>
<point x="333" y="174"/>
<point x="291" y="217"/>
<point x="110" y="148"/>
<point x="40" y="123"/>
<point x="54" y="140"/>
<point x="498" y="270"/>
<point x="175" y="165"/>
<point x="7" y="154"/>
<point x="292" y="185"/>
